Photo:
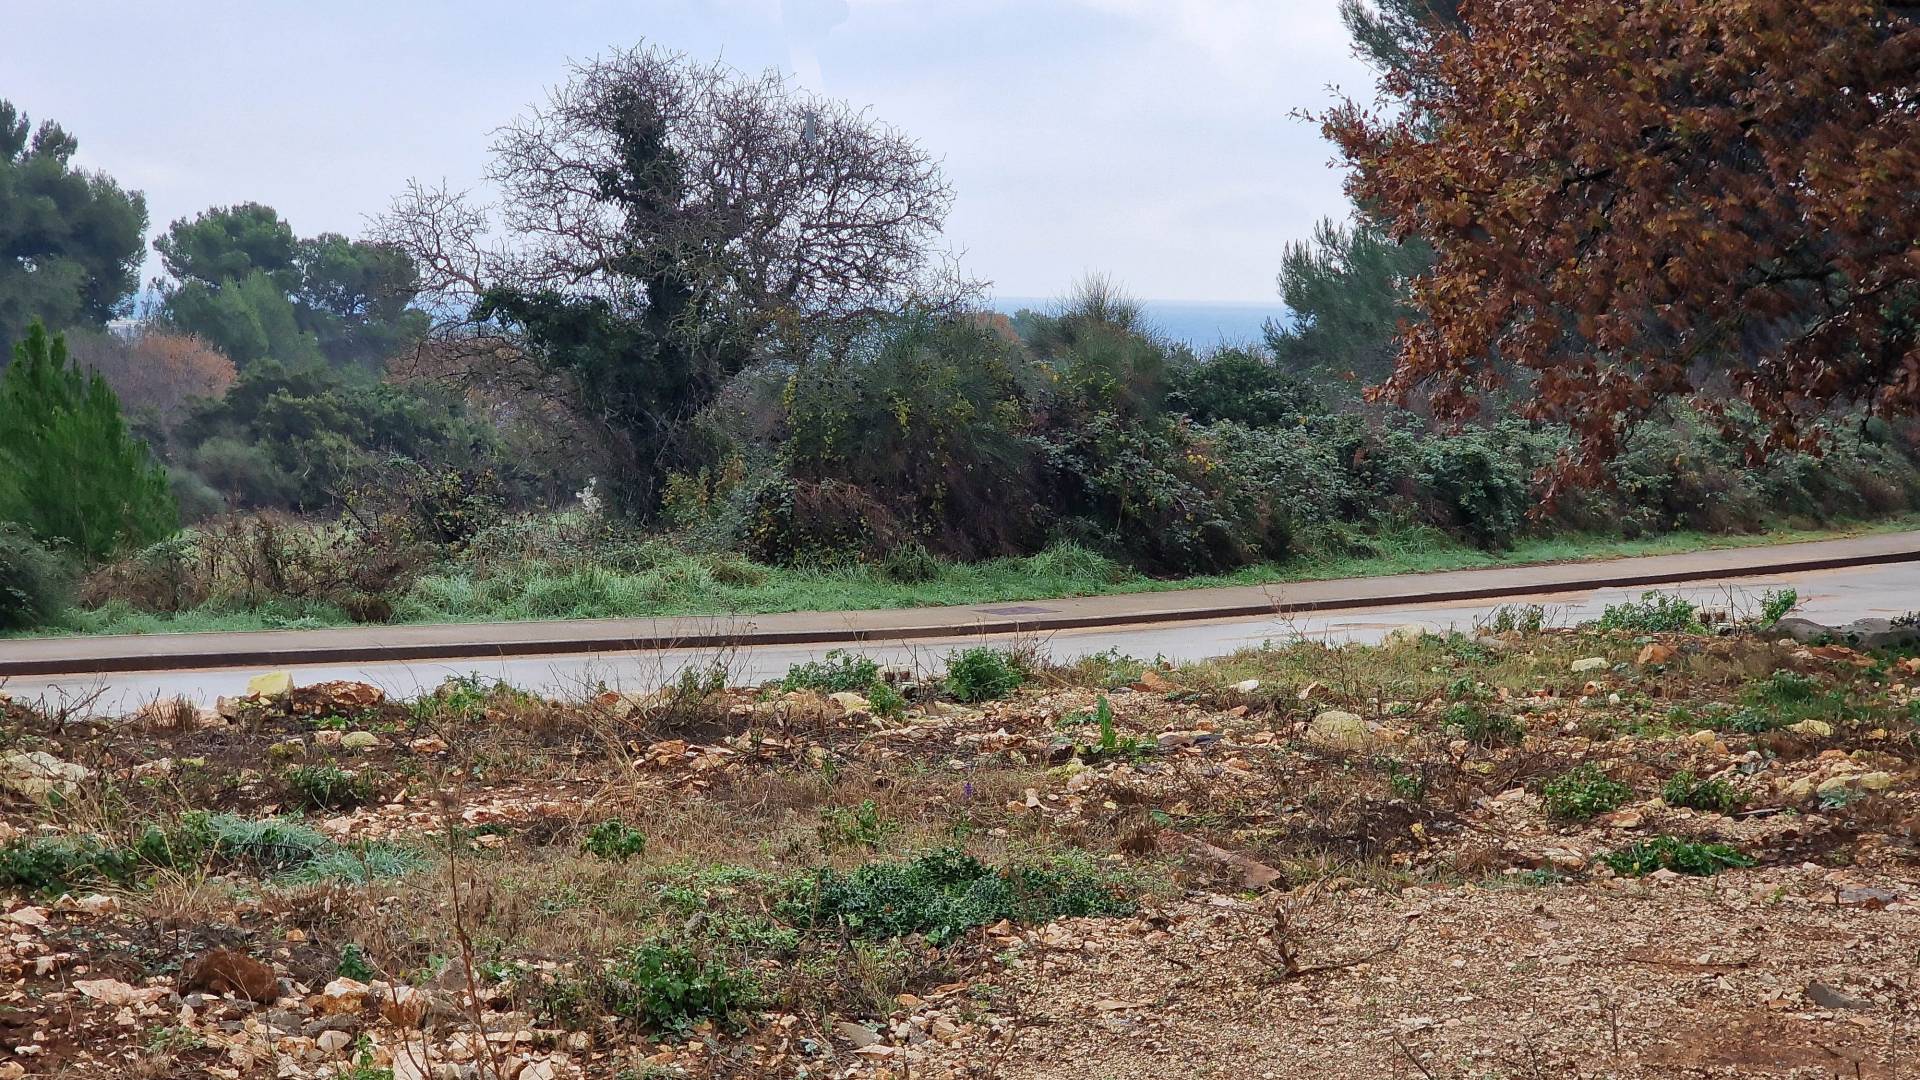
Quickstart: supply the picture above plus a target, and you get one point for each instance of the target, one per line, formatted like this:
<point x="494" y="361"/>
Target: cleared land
<point x="1632" y="853"/>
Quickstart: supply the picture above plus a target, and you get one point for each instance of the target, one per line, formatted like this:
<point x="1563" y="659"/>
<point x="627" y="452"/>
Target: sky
<point x="1155" y="141"/>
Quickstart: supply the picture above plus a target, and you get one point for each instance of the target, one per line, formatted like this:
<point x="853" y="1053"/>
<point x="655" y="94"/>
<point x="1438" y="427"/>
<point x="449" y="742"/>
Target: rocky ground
<point x="1530" y="854"/>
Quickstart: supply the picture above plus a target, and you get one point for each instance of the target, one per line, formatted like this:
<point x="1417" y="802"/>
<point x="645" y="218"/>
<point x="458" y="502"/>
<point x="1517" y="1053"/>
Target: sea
<point x="1201" y="324"/>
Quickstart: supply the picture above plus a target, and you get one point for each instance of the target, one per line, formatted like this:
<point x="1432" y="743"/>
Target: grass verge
<point x="728" y="585"/>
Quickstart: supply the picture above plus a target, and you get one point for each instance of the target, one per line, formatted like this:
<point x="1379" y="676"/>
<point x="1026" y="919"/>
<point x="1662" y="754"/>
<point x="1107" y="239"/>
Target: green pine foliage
<point x="70" y="239"/>
<point x="80" y="477"/>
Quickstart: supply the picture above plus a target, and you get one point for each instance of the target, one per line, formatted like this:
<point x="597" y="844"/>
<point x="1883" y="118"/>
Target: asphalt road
<point x="1832" y="596"/>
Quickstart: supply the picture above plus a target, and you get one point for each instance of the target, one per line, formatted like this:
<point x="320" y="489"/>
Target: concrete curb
<point x="948" y="625"/>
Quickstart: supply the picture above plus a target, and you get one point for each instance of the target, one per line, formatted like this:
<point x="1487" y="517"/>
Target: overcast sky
<point x="1150" y="139"/>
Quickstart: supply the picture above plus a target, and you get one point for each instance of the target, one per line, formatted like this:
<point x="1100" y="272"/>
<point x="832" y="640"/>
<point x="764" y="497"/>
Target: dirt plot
<point x="1512" y="855"/>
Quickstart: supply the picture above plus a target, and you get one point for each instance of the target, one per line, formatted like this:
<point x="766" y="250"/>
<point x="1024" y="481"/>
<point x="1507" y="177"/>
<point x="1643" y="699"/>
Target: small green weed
<point x="1109" y="670"/>
<point x="859" y="826"/>
<point x="354" y="964"/>
<point x="982" y="674"/>
<point x="1675" y="854"/>
<point x="1653" y="613"/>
<point x="837" y="672"/>
<point x="276" y="847"/>
<point x="945" y="893"/>
<point x="1775" y="604"/>
<point x="1111" y="743"/>
<point x="1685" y="789"/>
<point x="329" y="787"/>
<point x="666" y="985"/>
<point x="1784" y="699"/>
<point x="615" y="841"/>
<point x="1783" y="688"/>
<point x="1517" y="618"/>
<point x="1475" y="724"/>
<point x="1407" y="781"/>
<point x="1582" y="793"/>
<point x="886" y="701"/>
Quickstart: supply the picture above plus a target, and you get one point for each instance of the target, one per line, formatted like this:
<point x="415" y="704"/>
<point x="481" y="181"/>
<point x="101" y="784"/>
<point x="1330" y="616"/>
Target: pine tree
<point x="79" y="477"/>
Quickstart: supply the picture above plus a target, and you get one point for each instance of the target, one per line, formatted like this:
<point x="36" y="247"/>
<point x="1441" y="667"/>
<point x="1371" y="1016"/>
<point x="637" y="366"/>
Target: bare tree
<point x="663" y="223"/>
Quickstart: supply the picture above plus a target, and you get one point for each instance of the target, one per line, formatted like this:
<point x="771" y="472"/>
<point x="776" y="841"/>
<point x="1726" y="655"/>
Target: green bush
<point x="1685" y="789"/>
<point x="614" y="841"/>
<point x="945" y="893"/>
<point x="1243" y="387"/>
<point x="915" y="433"/>
<point x="839" y="671"/>
<point x="668" y="986"/>
<point x="982" y="674"/>
<point x="1653" y="613"/>
<point x="1775" y="604"/>
<point x="1483" y="486"/>
<point x="45" y="864"/>
<point x="1582" y="793"/>
<point x="35" y="588"/>
<point x="887" y="702"/>
<point x="1678" y="855"/>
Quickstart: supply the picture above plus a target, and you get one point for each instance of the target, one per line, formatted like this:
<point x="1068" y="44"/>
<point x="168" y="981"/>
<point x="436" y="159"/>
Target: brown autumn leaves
<point x="1632" y="202"/>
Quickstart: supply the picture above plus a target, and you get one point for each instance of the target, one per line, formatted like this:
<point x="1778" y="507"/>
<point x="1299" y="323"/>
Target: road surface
<point x="1832" y="596"/>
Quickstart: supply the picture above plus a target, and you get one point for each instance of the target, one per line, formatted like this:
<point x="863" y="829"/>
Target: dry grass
<point x="741" y="794"/>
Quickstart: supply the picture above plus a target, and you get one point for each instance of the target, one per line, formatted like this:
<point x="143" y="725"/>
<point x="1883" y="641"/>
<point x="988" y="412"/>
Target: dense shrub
<point x="982" y="674"/>
<point x="926" y="417"/>
<point x="1482" y="486"/>
<point x="1243" y="386"/>
<point x="294" y="438"/>
<point x="35" y="587"/>
<point x="1158" y="492"/>
<point x="196" y="498"/>
<point x="822" y="523"/>
<point x="254" y="560"/>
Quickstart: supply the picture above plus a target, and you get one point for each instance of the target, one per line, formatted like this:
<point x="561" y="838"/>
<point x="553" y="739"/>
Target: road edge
<point x="977" y="626"/>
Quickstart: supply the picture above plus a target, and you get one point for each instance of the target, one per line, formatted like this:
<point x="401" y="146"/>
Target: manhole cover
<point x="1018" y="610"/>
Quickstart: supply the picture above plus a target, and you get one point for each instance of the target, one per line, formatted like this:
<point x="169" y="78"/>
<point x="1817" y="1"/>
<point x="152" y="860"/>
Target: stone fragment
<point x="229" y="971"/>
<point x="271" y="684"/>
<point x="37" y="774"/>
<point x="1338" y="730"/>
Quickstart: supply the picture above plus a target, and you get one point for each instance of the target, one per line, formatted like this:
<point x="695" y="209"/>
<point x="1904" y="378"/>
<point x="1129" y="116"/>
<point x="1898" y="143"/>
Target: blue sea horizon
<point x="1203" y="325"/>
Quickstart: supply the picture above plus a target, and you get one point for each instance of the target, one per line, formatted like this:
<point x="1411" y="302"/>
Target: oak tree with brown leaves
<point x="1635" y="201"/>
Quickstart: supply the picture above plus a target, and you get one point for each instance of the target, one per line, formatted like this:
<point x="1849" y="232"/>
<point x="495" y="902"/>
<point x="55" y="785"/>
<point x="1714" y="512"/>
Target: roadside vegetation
<point x="713" y="880"/>
<point x="307" y="430"/>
